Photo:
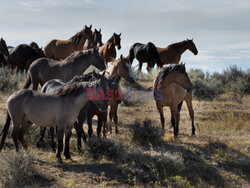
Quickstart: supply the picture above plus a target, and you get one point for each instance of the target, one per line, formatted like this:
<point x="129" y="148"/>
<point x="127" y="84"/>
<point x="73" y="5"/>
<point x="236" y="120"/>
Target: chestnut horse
<point x="172" y="53"/>
<point x="60" y="49"/>
<point x="108" y="51"/>
<point x="171" y="86"/>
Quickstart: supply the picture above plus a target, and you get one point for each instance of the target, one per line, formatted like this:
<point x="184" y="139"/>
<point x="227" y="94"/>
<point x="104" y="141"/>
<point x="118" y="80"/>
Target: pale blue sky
<point x="221" y="29"/>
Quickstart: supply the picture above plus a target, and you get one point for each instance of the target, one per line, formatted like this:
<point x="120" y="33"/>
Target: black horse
<point x="145" y="53"/>
<point x="86" y="113"/>
<point x="21" y="56"/>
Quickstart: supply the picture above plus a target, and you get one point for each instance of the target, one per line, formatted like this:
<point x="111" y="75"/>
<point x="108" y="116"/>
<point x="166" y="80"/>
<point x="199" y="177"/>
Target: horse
<point x="172" y="53"/>
<point x="22" y="55"/>
<point x="60" y="49"/>
<point x="95" y="41"/>
<point x="120" y="68"/>
<point x="87" y="112"/>
<point x="145" y="53"/>
<point x="26" y="107"/>
<point x="108" y="51"/>
<point x="44" y="69"/>
<point x="171" y="86"/>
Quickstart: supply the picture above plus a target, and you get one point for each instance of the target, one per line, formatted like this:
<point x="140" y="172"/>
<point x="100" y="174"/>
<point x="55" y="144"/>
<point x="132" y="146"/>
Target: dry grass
<point x="218" y="156"/>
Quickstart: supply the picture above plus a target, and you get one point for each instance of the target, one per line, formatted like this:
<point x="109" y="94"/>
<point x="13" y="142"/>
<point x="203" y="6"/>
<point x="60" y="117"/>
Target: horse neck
<point x="81" y="43"/>
<point x="182" y="48"/>
<point x="81" y="65"/>
<point x="113" y="72"/>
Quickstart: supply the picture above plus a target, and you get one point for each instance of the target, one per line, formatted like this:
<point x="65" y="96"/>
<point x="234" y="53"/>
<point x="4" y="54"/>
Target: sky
<point x="220" y="28"/>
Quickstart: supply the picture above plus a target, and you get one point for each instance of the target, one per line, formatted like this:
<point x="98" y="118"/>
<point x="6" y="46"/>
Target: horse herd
<point x="64" y="100"/>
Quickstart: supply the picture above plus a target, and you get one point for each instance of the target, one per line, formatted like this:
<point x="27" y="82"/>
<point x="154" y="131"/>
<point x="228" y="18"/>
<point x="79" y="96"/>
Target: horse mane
<point x="178" y="44"/>
<point x="84" y="78"/>
<point x="167" y="70"/>
<point x="72" y="89"/>
<point x="110" y="39"/>
<point x="77" y="37"/>
<point x="73" y="57"/>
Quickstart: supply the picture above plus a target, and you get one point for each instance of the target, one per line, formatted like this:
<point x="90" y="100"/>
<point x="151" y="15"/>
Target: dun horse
<point x="43" y="69"/>
<point x="95" y="41"/>
<point x="61" y="109"/>
<point x="145" y="53"/>
<point x="87" y="112"/>
<point x="108" y="51"/>
<point x="172" y="53"/>
<point x="171" y="86"/>
<point x="60" y="49"/>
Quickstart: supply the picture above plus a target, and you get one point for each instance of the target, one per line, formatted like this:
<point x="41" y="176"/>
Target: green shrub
<point x="146" y="133"/>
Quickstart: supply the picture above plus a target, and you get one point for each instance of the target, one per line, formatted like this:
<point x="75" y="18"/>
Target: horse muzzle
<point x="119" y="47"/>
<point x="189" y="90"/>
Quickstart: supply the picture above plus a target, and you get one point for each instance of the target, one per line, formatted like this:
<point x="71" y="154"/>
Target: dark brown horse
<point x="172" y="53"/>
<point x="22" y="55"/>
<point x="60" y="49"/>
<point x="145" y="53"/>
<point x="95" y="41"/>
<point x="108" y="51"/>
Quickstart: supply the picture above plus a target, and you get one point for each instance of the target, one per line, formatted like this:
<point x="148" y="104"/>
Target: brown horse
<point x="60" y="49"/>
<point x="95" y="41"/>
<point x="171" y="86"/>
<point x="172" y="53"/>
<point x="43" y="69"/>
<point x="120" y="68"/>
<point x="108" y="51"/>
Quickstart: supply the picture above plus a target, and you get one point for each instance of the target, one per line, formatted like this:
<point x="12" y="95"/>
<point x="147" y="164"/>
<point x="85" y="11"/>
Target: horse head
<point x="192" y="47"/>
<point x="117" y="40"/>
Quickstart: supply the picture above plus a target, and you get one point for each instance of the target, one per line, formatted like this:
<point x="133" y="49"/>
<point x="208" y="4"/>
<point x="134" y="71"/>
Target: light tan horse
<point x="171" y="86"/>
<point x="43" y="69"/>
<point x="120" y="68"/>
<point x="172" y="53"/>
<point x="26" y="107"/>
<point x="60" y="49"/>
<point x="95" y="41"/>
<point x="108" y="51"/>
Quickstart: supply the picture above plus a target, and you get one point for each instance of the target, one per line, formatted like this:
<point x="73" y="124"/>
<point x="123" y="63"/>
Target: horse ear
<point x="120" y="34"/>
<point x="121" y="57"/>
<point x="103" y="74"/>
<point x="86" y="27"/>
<point x="192" y="39"/>
<point x="100" y="30"/>
<point x="90" y="26"/>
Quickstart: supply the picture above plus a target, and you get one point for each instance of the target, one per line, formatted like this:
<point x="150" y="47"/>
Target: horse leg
<point x="102" y="121"/>
<point x="111" y="116"/>
<point x="140" y="66"/>
<point x="160" y="110"/>
<point x="15" y="134"/>
<point x="21" y="133"/>
<point x="68" y="134"/>
<point x="42" y="134"/>
<point x="99" y="125"/>
<point x="188" y="100"/>
<point x="176" y="114"/>
<point x="116" y="118"/>
<point x="53" y="144"/>
<point x="60" y="134"/>
<point x="89" y="122"/>
<point x="77" y="127"/>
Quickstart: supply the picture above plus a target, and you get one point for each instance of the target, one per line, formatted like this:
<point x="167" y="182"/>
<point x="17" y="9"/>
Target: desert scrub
<point x="232" y="81"/>
<point x="9" y="81"/>
<point x="17" y="169"/>
<point x="100" y="148"/>
<point x="146" y="133"/>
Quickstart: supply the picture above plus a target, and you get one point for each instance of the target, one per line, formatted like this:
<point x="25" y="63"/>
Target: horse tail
<point x="131" y="55"/>
<point x="27" y="83"/>
<point x="156" y="56"/>
<point x="179" y="106"/>
<point x="5" y="130"/>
